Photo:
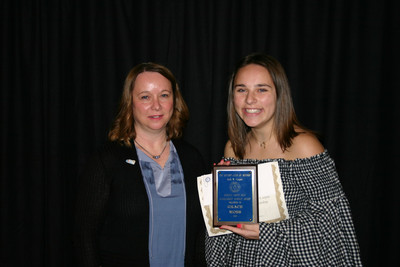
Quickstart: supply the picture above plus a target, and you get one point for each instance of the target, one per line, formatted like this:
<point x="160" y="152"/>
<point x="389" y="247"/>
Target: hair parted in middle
<point x="285" y="118"/>
<point x="123" y="129"/>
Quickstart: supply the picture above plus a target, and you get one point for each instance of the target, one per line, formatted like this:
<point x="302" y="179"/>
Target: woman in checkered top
<point x="263" y="127"/>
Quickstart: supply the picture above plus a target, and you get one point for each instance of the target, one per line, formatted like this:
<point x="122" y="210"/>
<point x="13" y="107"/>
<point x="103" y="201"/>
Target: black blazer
<point x="112" y="214"/>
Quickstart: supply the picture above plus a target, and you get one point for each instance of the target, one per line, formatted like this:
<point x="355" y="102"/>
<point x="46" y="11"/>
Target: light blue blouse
<point x="167" y="201"/>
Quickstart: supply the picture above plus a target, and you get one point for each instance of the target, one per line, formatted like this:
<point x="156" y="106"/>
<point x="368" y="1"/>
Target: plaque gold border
<point x="254" y="178"/>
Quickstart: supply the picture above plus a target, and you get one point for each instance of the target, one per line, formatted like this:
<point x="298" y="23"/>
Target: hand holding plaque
<point x="270" y="195"/>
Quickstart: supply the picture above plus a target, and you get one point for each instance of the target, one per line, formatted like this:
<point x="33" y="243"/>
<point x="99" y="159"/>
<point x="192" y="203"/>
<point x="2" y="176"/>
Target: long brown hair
<point x="123" y="129"/>
<point x="285" y="118"/>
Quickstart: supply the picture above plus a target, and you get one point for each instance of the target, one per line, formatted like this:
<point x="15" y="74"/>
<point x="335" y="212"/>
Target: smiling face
<point x="153" y="102"/>
<point x="254" y="96"/>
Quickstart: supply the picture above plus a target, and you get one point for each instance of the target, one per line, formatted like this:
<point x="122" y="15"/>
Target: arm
<point x="92" y="197"/>
<point x="319" y="231"/>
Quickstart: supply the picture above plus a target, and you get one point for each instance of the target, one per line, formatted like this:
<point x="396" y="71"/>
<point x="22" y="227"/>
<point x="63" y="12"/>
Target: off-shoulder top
<point x="319" y="231"/>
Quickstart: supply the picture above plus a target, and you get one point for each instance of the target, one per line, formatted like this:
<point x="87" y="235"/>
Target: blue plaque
<point x="235" y="195"/>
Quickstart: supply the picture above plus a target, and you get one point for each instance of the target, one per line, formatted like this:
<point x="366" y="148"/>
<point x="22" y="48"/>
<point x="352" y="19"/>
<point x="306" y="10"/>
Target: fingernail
<point x="239" y="225"/>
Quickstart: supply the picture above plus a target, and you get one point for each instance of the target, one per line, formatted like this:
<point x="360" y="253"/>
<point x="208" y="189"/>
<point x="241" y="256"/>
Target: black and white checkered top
<point x="320" y="229"/>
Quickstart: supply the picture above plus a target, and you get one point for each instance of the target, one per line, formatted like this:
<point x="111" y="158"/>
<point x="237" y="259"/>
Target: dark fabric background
<point x="63" y="64"/>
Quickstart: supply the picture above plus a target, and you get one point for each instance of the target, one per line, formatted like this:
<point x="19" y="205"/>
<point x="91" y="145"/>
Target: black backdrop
<point x="62" y="68"/>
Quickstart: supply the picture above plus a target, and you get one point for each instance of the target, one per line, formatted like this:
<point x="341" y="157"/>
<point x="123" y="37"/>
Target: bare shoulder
<point x="305" y="145"/>
<point x="228" y="152"/>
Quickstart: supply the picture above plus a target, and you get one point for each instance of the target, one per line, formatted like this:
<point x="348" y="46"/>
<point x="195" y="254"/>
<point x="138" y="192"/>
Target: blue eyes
<point x="148" y="97"/>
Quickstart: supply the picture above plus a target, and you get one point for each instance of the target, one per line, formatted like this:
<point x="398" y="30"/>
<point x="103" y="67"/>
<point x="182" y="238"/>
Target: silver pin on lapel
<point x="130" y="161"/>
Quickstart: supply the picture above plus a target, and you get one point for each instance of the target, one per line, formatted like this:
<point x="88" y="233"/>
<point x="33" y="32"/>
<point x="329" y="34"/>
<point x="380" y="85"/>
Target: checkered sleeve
<point x="320" y="229"/>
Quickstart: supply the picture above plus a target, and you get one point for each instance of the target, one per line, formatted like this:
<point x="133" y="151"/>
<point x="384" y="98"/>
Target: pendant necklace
<point x="262" y="144"/>
<point x="153" y="156"/>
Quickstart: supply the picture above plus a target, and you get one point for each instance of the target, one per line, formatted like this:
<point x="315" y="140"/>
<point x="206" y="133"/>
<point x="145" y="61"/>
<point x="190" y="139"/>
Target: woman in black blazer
<point x="137" y="203"/>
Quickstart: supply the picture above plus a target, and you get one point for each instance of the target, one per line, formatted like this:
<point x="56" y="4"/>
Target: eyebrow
<point x="162" y="91"/>
<point x="257" y="85"/>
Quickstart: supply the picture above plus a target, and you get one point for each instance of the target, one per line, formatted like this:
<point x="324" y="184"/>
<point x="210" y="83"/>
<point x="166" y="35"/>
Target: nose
<point x="156" y="104"/>
<point x="250" y="98"/>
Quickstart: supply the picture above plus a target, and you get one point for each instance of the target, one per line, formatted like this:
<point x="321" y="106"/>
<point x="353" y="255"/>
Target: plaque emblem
<point x="235" y="187"/>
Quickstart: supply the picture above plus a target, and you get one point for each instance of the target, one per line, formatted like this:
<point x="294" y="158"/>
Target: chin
<point x="158" y="127"/>
<point x="252" y="123"/>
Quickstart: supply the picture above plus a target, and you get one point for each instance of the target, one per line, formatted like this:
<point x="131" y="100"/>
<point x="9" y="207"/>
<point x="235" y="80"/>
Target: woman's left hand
<point x="248" y="231"/>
